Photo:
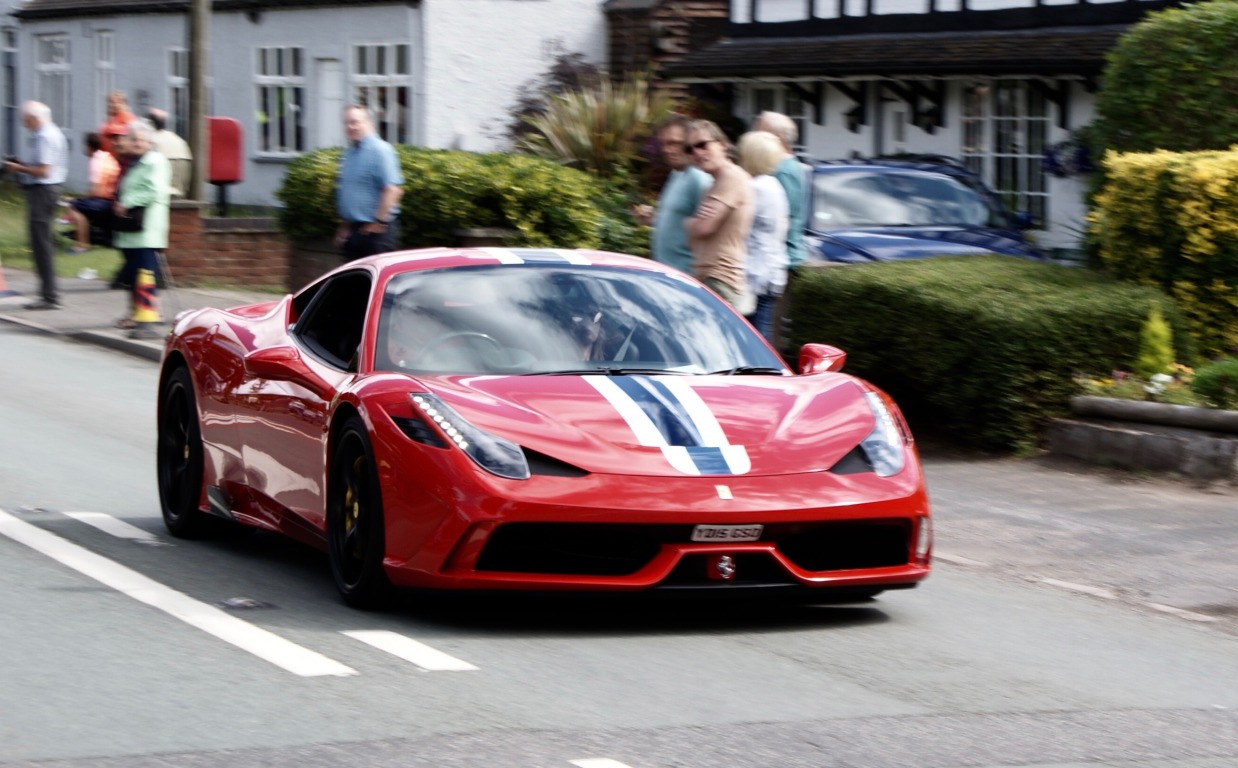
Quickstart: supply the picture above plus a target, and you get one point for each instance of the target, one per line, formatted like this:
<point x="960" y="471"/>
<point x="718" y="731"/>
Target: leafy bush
<point x="308" y="195"/>
<point x="444" y="191"/>
<point x="981" y="348"/>
<point x="599" y="129"/>
<point x="1171" y="80"/>
<point x="1217" y="382"/>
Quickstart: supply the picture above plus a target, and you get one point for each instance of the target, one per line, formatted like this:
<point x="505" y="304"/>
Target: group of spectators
<point x="732" y="216"/>
<point x="135" y="165"/>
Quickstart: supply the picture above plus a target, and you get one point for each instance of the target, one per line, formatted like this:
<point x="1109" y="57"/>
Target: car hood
<point x="671" y="425"/>
<point x="898" y="243"/>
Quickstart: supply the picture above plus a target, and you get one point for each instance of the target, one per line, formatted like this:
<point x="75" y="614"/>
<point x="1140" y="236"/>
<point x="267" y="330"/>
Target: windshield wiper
<point x="606" y="370"/>
<point x="749" y="370"/>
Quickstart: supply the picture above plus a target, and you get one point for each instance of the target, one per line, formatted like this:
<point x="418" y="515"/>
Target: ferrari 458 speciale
<point x="545" y="420"/>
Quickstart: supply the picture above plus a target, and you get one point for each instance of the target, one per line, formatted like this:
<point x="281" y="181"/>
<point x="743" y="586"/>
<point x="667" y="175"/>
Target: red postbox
<point x="226" y="157"/>
<point x="226" y="152"/>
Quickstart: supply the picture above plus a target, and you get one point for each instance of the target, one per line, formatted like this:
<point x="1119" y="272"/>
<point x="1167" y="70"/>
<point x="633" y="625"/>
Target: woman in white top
<point x="766" y="264"/>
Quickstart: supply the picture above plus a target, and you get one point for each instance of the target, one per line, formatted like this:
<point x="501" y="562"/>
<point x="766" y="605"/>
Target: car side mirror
<point x="284" y="364"/>
<point x="819" y="358"/>
<point x="1024" y="220"/>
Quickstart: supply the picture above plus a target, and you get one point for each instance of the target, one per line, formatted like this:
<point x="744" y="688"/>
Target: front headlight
<point x="884" y="445"/>
<point x="491" y="452"/>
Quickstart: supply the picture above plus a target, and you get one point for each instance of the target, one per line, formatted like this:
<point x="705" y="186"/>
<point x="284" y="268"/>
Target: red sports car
<point x="496" y="419"/>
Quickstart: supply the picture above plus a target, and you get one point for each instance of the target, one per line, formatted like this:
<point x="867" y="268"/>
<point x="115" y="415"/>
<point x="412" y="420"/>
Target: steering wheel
<point x="434" y="344"/>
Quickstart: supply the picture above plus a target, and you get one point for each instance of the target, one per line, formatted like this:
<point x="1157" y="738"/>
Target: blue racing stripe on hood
<point x="663" y="409"/>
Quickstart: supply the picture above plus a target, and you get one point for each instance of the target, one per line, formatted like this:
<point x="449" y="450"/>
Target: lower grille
<point x="848" y="546"/>
<point x="600" y="549"/>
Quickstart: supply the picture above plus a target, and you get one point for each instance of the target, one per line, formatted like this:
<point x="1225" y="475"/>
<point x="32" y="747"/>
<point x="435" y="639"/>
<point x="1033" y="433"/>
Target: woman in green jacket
<point x="144" y="185"/>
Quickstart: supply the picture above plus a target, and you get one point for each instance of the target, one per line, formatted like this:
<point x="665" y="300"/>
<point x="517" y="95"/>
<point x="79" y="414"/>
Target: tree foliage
<point x="1171" y="82"/>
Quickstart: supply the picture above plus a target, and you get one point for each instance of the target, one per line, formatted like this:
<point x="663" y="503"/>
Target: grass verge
<point x="15" y="244"/>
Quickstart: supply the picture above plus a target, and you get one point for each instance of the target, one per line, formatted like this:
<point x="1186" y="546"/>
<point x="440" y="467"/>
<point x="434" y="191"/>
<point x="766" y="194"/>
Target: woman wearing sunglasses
<point x="718" y="232"/>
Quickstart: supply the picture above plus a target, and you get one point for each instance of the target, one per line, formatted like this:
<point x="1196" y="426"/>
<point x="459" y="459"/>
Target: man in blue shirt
<point x="368" y="190"/>
<point x="680" y="197"/>
<point x="41" y="172"/>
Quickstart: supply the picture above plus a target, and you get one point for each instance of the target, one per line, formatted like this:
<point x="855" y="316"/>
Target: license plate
<point x="727" y="532"/>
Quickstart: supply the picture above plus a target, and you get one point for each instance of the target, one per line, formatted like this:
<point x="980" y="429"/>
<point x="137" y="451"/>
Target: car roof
<point x="389" y="264"/>
<point x="942" y="164"/>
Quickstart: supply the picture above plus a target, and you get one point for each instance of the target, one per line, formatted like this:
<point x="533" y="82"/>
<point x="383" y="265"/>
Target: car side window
<point x="332" y="324"/>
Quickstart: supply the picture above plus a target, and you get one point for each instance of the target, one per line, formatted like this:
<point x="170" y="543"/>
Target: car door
<point x="284" y="437"/>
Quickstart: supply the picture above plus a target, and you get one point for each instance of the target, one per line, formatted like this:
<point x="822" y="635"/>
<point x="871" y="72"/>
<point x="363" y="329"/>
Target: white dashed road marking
<point x="261" y="643"/>
<point x="410" y="650"/>
<point x="117" y="528"/>
<point x="598" y="762"/>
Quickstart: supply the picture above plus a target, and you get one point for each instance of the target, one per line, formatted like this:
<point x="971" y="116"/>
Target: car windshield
<point x="544" y="319"/>
<point x="898" y="198"/>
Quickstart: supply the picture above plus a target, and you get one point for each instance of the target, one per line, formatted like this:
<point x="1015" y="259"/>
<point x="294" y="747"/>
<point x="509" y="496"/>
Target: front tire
<point x="178" y="456"/>
<point x="356" y="536"/>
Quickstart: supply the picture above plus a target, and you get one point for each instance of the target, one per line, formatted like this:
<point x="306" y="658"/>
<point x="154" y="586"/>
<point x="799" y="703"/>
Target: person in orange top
<point x="119" y="116"/>
<point x="96" y="207"/>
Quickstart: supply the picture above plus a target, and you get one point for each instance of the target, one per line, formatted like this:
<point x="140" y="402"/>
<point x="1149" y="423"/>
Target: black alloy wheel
<point x="178" y="456"/>
<point x="356" y="539"/>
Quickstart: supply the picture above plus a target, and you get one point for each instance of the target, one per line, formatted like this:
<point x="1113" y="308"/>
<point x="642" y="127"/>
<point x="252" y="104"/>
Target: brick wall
<point x="229" y="251"/>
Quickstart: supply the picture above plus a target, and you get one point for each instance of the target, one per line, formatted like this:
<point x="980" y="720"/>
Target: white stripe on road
<point x="261" y="643"/>
<point x="1084" y="588"/>
<point x="1188" y="615"/>
<point x="117" y="528"/>
<point x="598" y="762"/>
<point x="410" y="650"/>
<point x="955" y="559"/>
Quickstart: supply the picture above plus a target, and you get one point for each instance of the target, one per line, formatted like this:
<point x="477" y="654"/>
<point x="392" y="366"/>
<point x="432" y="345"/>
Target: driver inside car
<point x="594" y="338"/>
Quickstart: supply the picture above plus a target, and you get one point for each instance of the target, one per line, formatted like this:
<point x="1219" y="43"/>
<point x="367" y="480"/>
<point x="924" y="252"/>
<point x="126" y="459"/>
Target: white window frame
<point x="1005" y="133"/>
<point x="53" y="62"/>
<point x="8" y="98"/>
<point x="279" y="79"/>
<point x="382" y="80"/>
<point x="178" y="90"/>
<point x="105" y="71"/>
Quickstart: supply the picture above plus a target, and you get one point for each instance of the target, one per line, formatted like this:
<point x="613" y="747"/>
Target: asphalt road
<point x="1075" y="618"/>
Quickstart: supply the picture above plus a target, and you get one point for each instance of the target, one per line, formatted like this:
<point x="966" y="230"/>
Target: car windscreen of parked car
<point x="546" y="319"/>
<point x="901" y="198"/>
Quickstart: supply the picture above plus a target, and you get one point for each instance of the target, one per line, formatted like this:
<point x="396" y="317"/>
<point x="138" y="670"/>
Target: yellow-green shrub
<point x="1171" y="220"/>
<point x="543" y="202"/>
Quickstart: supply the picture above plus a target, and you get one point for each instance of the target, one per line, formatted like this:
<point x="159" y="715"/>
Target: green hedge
<point x="983" y="349"/>
<point x="545" y="203"/>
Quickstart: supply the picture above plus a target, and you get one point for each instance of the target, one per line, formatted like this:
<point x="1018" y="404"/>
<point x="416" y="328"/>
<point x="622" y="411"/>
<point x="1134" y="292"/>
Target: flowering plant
<point x="1173" y="387"/>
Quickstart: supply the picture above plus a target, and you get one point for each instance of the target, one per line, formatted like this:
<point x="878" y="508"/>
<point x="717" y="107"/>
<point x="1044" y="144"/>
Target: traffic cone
<point x="145" y="303"/>
<point x="4" y="290"/>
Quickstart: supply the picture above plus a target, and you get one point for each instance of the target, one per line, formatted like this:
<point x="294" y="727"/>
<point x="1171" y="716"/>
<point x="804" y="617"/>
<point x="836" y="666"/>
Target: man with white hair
<point x="790" y="174"/>
<point x="41" y="172"/>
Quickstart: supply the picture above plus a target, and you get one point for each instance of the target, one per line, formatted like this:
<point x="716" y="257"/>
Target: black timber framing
<point x="814" y="94"/>
<point x="916" y="92"/>
<point x="1081" y="13"/>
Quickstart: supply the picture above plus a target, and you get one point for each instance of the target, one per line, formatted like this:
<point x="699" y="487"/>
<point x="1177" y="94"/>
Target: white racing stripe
<point x="410" y="650"/>
<point x="638" y="421"/>
<point x="117" y="528"/>
<point x="261" y="643"/>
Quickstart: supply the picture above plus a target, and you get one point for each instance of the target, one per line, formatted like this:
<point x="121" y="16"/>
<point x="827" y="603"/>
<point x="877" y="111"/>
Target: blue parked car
<point x="871" y="210"/>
